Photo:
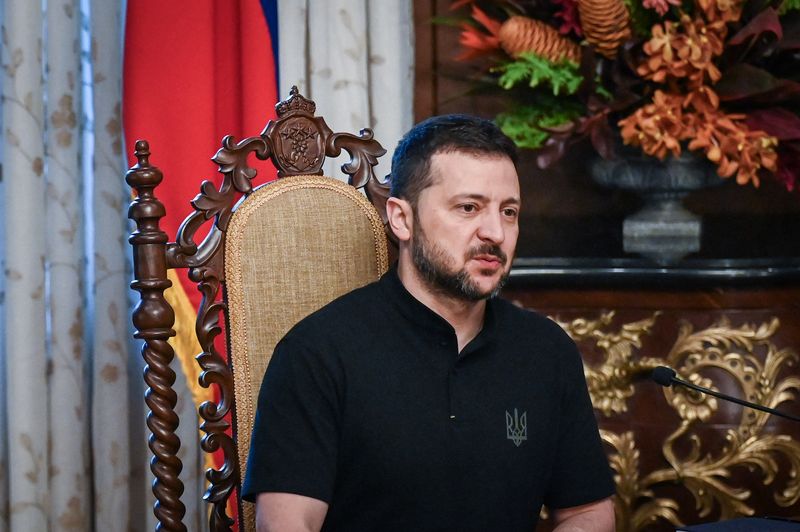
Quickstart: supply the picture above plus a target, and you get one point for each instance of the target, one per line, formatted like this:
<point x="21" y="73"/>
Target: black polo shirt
<point x="368" y="406"/>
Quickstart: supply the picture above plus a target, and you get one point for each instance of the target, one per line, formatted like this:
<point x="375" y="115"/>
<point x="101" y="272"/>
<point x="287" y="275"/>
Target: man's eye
<point x="511" y="213"/>
<point x="468" y="207"/>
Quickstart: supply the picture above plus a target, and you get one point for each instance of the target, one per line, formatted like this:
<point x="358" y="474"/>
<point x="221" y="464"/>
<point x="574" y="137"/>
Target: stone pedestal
<point x="663" y="230"/>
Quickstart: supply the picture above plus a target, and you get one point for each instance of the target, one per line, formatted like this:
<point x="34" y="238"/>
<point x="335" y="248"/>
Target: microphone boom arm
<point x="666" y="377"/>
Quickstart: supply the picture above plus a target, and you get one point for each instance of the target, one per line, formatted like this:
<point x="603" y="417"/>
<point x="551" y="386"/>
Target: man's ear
<point x="401" y="218"/>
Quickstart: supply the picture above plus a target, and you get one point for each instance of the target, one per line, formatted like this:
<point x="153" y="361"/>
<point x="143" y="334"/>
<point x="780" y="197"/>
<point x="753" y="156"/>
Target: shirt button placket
<point x="452" y="375"/>
<point x="448" y="347"/>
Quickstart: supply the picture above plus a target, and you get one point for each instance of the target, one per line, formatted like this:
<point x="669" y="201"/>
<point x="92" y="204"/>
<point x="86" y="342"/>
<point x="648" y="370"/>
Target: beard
<point x="435" y="267"/>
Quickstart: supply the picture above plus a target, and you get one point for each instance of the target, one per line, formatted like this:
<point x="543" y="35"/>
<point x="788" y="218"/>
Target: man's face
<point x="466" y="225"/>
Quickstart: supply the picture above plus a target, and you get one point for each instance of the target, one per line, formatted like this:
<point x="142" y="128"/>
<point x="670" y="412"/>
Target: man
<point x="422" y="402"/>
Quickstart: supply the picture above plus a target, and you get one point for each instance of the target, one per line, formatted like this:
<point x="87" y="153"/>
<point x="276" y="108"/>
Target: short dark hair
<point x="411" y="162"/>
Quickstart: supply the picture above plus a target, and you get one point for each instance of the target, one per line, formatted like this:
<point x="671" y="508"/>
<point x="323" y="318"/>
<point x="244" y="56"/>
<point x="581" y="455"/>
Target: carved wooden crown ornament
<point x="294" y="104"/>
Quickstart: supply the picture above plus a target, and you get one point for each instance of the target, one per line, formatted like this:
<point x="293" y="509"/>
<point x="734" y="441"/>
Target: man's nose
<point x="491" y="228"/>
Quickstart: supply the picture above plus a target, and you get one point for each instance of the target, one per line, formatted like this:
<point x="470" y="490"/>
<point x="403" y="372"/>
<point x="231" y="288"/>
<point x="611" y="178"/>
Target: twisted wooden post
<point x="153" y="318"/>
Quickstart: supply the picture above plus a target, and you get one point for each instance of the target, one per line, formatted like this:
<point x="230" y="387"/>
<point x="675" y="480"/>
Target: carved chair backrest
<point x="279" y="251"/>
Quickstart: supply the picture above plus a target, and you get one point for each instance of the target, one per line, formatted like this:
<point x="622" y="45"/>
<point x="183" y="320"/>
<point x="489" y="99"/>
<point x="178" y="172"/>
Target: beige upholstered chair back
<point x="265" y="257"/>
<point x="292" y="246"/>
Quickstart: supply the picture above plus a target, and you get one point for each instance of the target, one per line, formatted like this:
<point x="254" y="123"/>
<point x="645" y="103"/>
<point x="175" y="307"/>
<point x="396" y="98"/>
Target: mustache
<point x="488" y="249"/>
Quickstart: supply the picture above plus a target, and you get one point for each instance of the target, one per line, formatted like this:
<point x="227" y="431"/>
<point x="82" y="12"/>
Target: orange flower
<point x="475" y="41"/>
<point x="683" y="51"/>
<point x="727" y="141"/>
<point x="721" y="10"/>
<point x="658" y="127"/>
<point x="703" y="100"/>
<point x="675" y="81"/>
<point x="660" y="49"/>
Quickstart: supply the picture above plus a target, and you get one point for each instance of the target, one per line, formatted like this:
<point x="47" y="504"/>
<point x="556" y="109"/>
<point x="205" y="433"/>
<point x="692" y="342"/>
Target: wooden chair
<point x="274" y="254"/>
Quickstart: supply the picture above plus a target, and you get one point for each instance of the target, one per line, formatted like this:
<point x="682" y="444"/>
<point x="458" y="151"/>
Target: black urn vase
<point x="663" y="230"/>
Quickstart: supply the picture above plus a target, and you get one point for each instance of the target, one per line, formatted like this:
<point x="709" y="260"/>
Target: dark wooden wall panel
<point x="757" y="329"/>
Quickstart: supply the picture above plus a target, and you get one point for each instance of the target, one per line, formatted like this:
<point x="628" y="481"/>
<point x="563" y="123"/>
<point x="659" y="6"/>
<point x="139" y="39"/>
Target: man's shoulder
<point x="520" y="326"/>
<point x="353" y="307"/>
<point x="512" y="315"/>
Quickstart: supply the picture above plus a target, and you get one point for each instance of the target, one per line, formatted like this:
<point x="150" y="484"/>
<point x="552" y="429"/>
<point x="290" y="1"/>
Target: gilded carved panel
<point x="682" y="456"/>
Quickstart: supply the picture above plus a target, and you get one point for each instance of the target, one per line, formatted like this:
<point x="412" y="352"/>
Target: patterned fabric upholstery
<point x="292" y="246"/>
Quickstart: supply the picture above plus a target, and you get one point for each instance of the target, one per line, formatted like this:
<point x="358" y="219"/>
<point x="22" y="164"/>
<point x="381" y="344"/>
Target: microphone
<point x="666" y="377"/>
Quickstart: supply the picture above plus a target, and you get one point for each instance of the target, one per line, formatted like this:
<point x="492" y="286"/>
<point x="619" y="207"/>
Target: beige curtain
<point x="355" y="59"/>
<point x="72" y="446"/>
<point x="73" y="450"/>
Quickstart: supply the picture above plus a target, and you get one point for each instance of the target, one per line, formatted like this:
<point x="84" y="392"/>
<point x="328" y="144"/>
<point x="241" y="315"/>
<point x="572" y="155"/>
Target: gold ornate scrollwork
<point x="611" y="382"/>
<point x="632" y="513"/>
<point x="713" y="357"/>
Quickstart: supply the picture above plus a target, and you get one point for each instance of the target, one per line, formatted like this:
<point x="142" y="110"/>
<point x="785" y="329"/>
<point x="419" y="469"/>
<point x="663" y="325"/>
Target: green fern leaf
<point x="563" y="77"/>
<point x="524" y="123"/>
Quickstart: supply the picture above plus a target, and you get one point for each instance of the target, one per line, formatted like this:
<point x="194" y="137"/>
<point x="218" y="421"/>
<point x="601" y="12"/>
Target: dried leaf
<point x="766" y="21"/>
<point x="603" y="139"/>
<point x="756" y="85"/>
<point x="776" y="122"/>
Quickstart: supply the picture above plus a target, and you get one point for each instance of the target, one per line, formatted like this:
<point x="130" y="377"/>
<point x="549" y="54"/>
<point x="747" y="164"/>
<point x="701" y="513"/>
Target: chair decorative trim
<point x="297" y="143"/>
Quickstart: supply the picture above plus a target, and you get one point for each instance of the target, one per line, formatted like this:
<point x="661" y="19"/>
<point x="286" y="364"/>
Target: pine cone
<point x="520" y="34"/>
<point x="605" y="23"/>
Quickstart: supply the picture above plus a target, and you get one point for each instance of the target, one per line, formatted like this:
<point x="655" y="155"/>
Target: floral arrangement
<point x="715" y="77"/>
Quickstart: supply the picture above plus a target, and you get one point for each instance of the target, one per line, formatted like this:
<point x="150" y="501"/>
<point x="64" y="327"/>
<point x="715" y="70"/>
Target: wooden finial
<point x="142" y="152"/>
<point x="143" y="174"/>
